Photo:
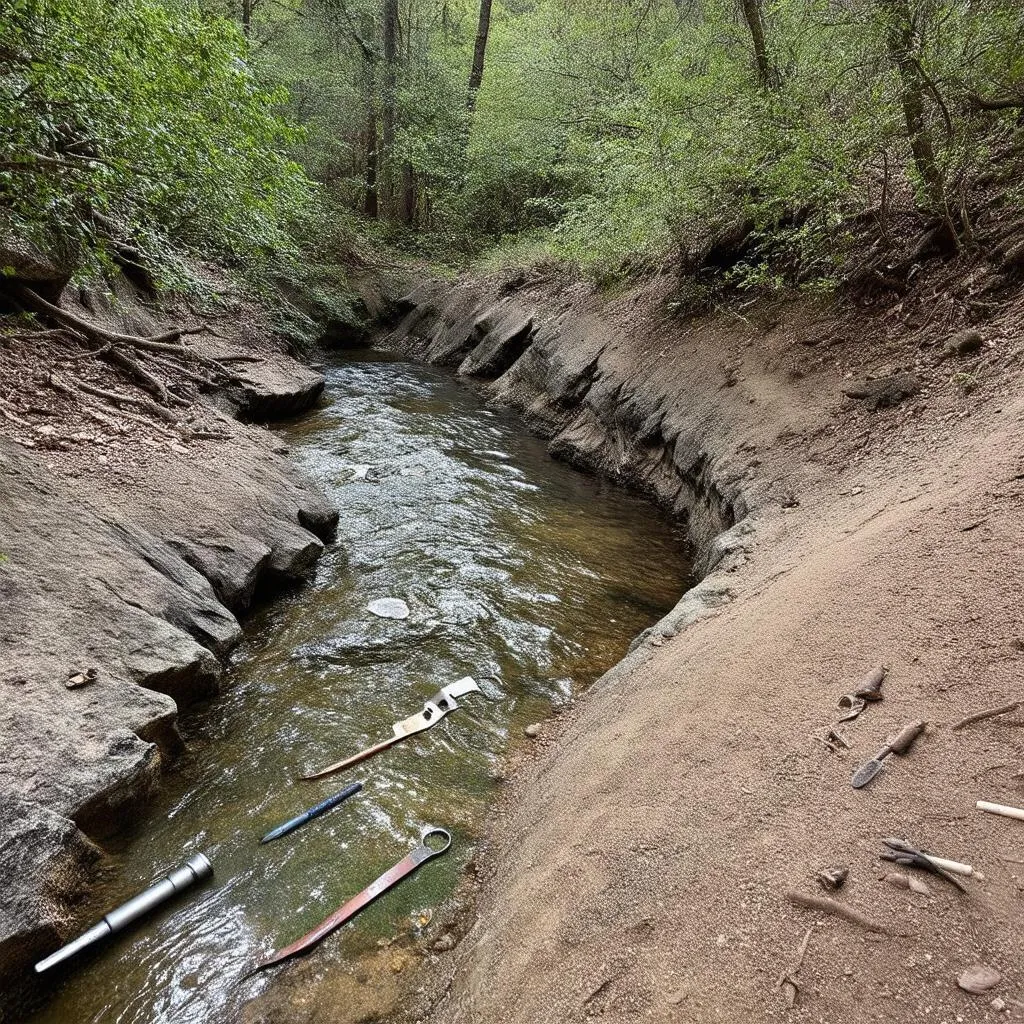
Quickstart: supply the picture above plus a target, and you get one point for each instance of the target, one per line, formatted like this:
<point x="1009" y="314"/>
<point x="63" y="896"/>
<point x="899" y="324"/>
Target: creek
<point x="518" y="570"/>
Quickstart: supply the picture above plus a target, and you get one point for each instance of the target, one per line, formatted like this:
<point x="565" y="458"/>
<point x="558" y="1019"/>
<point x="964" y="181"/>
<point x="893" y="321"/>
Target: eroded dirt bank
<point x="640" y="863"/>
<point x="126" y="551"/>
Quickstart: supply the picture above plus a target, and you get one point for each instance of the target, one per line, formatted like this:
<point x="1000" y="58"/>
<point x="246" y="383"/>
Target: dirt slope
<point x="641" y="858"/>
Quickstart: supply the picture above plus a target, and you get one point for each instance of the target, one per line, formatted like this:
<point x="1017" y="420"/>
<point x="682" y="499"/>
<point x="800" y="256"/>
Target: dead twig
<point x="980" y="716"/>
<point x="830" y="906"/>
<point x="787" y="980"/>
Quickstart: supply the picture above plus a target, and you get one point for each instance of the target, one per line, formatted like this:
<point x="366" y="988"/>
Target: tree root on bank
<point x="135" y="357"/>
<point x="120" y="399"/>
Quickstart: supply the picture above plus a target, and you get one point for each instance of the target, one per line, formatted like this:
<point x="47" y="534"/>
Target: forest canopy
<point x="609" y="136"/>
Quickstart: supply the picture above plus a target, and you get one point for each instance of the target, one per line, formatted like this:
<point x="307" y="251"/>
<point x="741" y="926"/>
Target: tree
<point x="753" y="16"/>
<point x="476" y="73"/>
<point x="386" y="171"/>
<point x="904" y="45"/>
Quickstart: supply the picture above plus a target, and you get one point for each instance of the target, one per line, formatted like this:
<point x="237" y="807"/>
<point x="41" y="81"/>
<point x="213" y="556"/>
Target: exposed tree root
<point x="37" y="304"/>
<point x="121" y="399"/>
<point x="123" y="350"/>
<point x="134" y="369"/>
<point x="110" y="421"/>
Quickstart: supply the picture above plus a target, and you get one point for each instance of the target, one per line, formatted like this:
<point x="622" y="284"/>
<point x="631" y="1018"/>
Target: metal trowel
<point x="899" y="744"/>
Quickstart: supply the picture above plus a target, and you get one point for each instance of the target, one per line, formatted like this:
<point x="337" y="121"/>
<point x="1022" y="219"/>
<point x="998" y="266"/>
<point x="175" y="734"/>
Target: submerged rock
<point x="389" y="608"/>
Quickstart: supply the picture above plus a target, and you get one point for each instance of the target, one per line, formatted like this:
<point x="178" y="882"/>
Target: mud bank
<point x="640" y="862"/>
<point x="125" y="556"/>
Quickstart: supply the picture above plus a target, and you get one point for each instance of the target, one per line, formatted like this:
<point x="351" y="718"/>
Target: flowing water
<point x="519" y="571"/>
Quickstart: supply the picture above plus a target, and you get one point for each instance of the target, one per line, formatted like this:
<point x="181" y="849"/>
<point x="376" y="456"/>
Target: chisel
<point x="899" y="744"/>
<point x="313" y="812"/>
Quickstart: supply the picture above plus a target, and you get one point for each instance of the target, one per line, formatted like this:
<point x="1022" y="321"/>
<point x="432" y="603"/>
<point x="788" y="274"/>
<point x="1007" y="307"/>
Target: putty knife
<point x="899" y="744"/>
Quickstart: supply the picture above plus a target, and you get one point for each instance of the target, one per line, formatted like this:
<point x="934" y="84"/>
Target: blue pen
<point x="313" y="812"/>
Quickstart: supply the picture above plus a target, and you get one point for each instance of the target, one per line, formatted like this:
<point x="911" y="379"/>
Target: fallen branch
<point x="980" y="716"/>
<point x="830" y="906"/>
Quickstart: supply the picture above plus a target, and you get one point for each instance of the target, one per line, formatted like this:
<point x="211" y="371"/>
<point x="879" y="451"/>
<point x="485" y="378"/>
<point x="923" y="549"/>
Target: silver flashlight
<point x="195" y="869"/>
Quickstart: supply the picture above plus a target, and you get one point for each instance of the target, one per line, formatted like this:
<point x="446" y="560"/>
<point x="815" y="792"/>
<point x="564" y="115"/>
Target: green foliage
<point x="625" y="132"/>
<point x="148" y="115"/>
<point x="609" y="136"/>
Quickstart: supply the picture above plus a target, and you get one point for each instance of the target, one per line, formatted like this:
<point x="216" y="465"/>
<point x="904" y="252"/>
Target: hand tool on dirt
<point x="313" y="812"/>
<point x="899" y="744"/>
<point x="195" y="869"/>
<point x="441" y="704"/>
<point x="901" y="852"/>
<point x="406" y="866"/>
<point x="1003" y="809"/>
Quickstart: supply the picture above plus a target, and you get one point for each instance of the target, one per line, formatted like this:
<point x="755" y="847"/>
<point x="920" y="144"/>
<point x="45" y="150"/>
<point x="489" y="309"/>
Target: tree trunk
<point x="755" y="22"/>
<point x="247" y="17"/>
<point x="476" y="73"/>
<point x="407" y="211"/>
<point x="371" y="205"/>
<point x="386" y="174"/>
<point x="902" y="51"/>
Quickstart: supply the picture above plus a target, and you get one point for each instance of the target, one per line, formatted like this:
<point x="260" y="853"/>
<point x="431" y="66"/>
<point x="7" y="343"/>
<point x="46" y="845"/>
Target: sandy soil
<point x="642" y="856"/>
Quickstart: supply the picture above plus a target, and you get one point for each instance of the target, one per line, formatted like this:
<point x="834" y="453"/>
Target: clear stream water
<point x="519" y="571"/>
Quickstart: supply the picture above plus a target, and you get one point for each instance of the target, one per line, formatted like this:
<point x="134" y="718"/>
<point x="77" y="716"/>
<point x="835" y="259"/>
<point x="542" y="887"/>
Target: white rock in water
<point x="389" y="608"/>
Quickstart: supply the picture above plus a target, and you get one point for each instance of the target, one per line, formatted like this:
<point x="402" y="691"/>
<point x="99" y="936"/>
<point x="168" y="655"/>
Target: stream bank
<point x="126" y="555"/>
<point x="851" y="476"/>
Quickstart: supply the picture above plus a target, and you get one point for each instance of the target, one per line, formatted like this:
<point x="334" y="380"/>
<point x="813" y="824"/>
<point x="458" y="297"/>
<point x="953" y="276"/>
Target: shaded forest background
<point x="774" y="142"/>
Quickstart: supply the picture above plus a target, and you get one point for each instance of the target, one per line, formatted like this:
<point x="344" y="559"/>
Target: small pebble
<point x="979" y="978"/>
<point x="532" y="731"/>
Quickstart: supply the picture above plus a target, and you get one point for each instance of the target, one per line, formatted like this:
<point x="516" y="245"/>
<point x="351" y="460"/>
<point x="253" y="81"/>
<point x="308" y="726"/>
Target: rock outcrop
<point x="605" y="405"/>
<point x="118" y="593"/>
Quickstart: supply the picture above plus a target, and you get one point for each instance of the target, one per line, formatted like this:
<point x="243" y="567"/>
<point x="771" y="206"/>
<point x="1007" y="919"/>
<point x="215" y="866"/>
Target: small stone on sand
<point x="532" y="731"/>
<point x="979" y="978"/>
<point x="389" y="608"/>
